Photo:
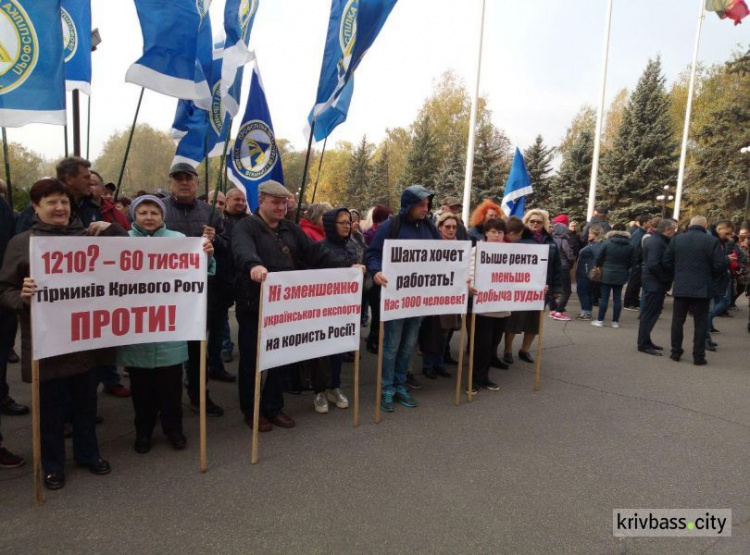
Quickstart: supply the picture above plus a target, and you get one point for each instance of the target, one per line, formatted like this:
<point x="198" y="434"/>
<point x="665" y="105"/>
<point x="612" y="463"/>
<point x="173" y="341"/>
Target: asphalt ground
<point x="513" y="472"/>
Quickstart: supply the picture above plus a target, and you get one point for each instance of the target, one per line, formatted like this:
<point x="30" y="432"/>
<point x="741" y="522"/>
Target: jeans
<point x="398" y="346"/>
<point x="8" y="325"/>
<point x="226" y="343"/>
<point x="561" y="304"/>
<point x="720" y="304"/>
<point x="583" y="288"/>
<point x="616" y="301"/>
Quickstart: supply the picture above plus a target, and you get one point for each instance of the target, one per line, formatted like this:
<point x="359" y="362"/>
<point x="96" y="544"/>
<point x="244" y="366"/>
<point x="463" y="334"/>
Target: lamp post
<point x="746" y="150"/>
<point x="664" y="198"/>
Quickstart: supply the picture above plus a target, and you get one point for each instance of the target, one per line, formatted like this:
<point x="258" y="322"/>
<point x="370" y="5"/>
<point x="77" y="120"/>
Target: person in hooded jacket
<point x="401" y="335"/>
<point x="562" y="237"/>
<point x="378" y="214"/>
<point x="156" y="368"/>
<point x="585" y="286"/>
<point x="615" y="261"/>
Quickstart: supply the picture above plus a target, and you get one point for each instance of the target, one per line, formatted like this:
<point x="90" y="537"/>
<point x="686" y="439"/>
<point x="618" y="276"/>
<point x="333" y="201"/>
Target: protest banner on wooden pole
<point x="36" y="433"/>
<point x="379" y="377"/>
<point x="356" y="389"/>
<point x="256" y="402"/>
<point x="472" y="334"/>
<point x="461" y="343"/>
<point x="539" y="351"/>
<point x="202" y="381"/>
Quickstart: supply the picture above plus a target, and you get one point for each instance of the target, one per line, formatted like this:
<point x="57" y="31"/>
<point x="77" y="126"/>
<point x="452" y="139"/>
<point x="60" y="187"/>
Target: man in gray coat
<point x="695" y="260"/>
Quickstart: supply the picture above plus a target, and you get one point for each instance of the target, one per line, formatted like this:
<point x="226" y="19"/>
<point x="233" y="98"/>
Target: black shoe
<point x="710" y="347"/>
<point x="442" y="372"/>
<point x="348" y="357"/>
<point x="142" y="445"/>
<point x="675" y="357"/>
<point x="656" y="347"/>
<point x="508" y="358"/>
<point x="54" y="480"/>
<point x="497" y="363"/>
<point x="11" y="408"/>
<point x="700" y="362"/>
<point x="212" y="409"/>
<point x="412" y="382"/>
<point x="221" y="375"/>
<point x="712" y="343"/>
<point x="99" y="466"/>
<point x="490" y="385"/>
<point x="651" y="351"/>
<point x="372" y="347"/>
<point x="526" y="357"/>
<point x="448" y="359"/>
<point x="714" y="330"/>
<point x="178" y="440"/>
<point x="9" y="460"/>
<point x="13" y="358"/>
<point x="429" y="373"/>
<point x="67" y="430"/>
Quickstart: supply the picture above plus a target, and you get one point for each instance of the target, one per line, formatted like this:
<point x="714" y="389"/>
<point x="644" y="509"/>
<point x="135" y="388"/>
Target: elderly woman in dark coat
<point x="615" y="259"/>
<point x="67" y="384"/>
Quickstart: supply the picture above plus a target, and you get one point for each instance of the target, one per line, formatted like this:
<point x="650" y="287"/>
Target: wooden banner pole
<point x="356" y="389"/>
<point x="256" y="405"/>
<point x="539" y="351"/>
<point x="36" y="433"/>
<point x="461" y="344"/>
<point x="472" y="333"/>
<point x="203" y="454"/>
<point x="379" y="380"/>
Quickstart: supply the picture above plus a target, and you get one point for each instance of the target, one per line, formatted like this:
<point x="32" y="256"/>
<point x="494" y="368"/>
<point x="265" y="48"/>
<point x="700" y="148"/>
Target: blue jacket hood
<point x="412" y="195"/>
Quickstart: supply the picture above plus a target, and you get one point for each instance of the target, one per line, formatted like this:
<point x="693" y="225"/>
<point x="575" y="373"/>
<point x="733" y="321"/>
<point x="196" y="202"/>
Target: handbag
<point x="595" y="274"/>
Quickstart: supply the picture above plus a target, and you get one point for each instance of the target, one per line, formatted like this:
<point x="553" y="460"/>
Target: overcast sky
<point x="542" y="61"/>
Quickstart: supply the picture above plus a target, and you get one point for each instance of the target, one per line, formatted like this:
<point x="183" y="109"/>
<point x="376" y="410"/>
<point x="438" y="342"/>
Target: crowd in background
<point x="630" y="265"/>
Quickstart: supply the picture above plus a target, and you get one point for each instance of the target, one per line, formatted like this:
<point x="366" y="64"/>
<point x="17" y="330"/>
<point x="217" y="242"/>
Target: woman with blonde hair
<point x="536" y="232"/>
<point x="486" y="211"/>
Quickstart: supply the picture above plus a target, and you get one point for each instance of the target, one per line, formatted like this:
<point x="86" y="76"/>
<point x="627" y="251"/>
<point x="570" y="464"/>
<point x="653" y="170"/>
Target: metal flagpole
<point x="320" y="165"/>
<point x="88" y="127"/>
<point x="600" y="118"/>
<point x="304" y="172"/>
<point x="76" y="123"/>
<point x="688" y="111"/>
<point x="130" y="141"/>
<point x="473" y="123"/>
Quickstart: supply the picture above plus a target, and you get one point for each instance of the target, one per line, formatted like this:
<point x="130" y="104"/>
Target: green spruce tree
<point x="358" y="176"/>
<point x="380" y="190"/>
<point x="492" y="159"/>
<point x="421" y="163"/>
<point x="642" y="160"/>
<point x="571" y="185"/>
<point x="538" y="158"/>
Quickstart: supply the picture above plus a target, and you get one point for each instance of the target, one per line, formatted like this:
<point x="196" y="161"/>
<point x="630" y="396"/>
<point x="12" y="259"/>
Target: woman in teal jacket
<point x="156" y="368"/>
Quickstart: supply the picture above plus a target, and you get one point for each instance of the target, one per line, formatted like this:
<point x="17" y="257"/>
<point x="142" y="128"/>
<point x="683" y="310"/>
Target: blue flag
<point x="32" y="78"/>
<point x="169" y="64"/>
<point x="255" y="156"/>
<point x="352" y="28"/>
<point x="76" y="25"/>
<point x="517" y="187"/>
<point x="239" y="16"/>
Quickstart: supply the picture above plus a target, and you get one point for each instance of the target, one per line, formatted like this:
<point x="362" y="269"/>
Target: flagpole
<point x="76" y="123"/>
<point x="205" y="165"/>
<point x="67" y="153"/>
<point x="320" y="164"/>
<point x="304" y="172"/>
<point x="600" y="117"/>
<point x="88" y="126"/>
<point x="473" y="122"/>
<point x="7" y="168"/>
<point x="130" y="141"/>
<point x="688" y="112"/>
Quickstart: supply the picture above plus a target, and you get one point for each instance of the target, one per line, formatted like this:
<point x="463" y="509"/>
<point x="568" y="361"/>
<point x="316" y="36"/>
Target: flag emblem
<point x="70" y="35"/>
<point x="217" y="113"/>
<point x="19" y="46"/>
<point x="348" y="35"/>
<point x="255" y="153"/>
<point x="201" y="7"/>
<point x="247" y="11"/>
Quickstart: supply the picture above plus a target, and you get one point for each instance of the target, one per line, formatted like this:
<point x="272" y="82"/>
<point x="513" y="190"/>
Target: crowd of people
<point x="705" y="269"/>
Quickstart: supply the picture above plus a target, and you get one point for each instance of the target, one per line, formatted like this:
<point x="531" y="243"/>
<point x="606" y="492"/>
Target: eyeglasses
<point x="344" y="223"/>
<point x="536" y="222"/>
<point x="450" y="227"/>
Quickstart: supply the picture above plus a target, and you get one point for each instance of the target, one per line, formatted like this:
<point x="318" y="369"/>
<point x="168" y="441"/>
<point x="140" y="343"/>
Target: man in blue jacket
<point x="400" y="336"/>
<point x="656" y="281"/>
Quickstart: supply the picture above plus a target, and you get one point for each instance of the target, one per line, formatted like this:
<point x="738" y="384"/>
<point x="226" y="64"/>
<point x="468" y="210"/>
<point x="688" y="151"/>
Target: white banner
<point x="509" y="276"/>
<point x="309" y="314"/>
<point x="94" y="292"/>
<point x="425" y="278"/>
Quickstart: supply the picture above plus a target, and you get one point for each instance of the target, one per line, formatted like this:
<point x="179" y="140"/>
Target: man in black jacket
<point x="262" y="243"/>
<point x="695" y="260"/>
<point x="656" y="281"/>
<point x="186" y="214"/>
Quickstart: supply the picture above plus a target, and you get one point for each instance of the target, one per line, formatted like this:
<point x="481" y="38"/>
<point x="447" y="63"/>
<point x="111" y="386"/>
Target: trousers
<point x="157" y="393"/>
<point x="699" y="310"/>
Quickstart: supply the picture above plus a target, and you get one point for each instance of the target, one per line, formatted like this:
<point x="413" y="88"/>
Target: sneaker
<point x="404" y="397"/>
<point x="492" y="386"/>
<point x="212" y="409"/>
<point x="632" y="308"/>
<point x="386" y="402"/>
<point x="9" y="460"/>
<point x="562" y="317"/>
<point x="338" y="397"/>
<point x="508" y="358"/>
<point x="118" y="390"/>
<point x="552" y="313"/>
<point x="714" y="330"/>
<point x="584" y="317"/>
<point x="412" y="382"/>
<point x="615" y="324"/>
<point x="598" y="323"/>
<point x="474" y="390"/>
<point x="321" y="403"/>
